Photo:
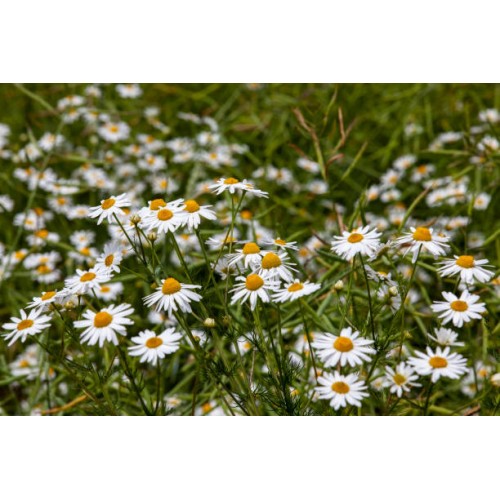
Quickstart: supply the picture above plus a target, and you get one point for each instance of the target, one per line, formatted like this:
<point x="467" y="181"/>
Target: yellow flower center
<point x="43" y="269"/>
<point x="466" y="261"/>
<point x="340" y="387"/>
<point x="170" y="286"/>
<point x="156" y="204"/>
<point x="105" y="289"/>
<point x="295" y="287"/>
<point x="47" y="295"/>
<point x="206" y="407"/>
<point x="250" y="248"/>
<point x="191" y="206"/>
<point x="108" y="203"/>
<point x="253" y="282"/>
<point x="279" y="241"/>
<point x="270" y="261"/>
<point x="19" y="254"/>
<point x="164" y="214"/>
<point x="154" y="342"/>
<point x="343" y="344"/>
<point x="113" y="129"/>
<point x="231" y="180"/>
<point x="246" y="214"/>
<point x="24" y="363"/>
<point x="459" y="305"/>
<point x="102" y="319"/>
<point x="438" y="362"/>
<point x="87" y="277"/>
<point x="355" y="238"/>
<point x="85" y="251"/>
<point x="109" y="260"/>
<point x="399" y="379"/>
<point x="25" y="323"/>
<point x="42" y="233"/>
<point x="422" y="234"/>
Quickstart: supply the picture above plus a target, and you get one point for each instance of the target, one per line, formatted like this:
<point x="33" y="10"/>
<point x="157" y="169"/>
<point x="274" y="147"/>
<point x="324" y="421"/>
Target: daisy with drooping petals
<point x="85" y="281"/>
<point x="253" y="287"/>
<point x="459" y="310"/>
<point x="152" y="347"/>
<point x="172" y="296"/>
<point x="27" y="324"/>
<point x="400" y="380"/>
<point x="250" y="254"/>
<point x="194" y="212"/>
<point x="295" y="290"/>
<point x="105" y="324"/>
<point x="43" y="300"/>
<point x="439" y="364"/>
<point x="358" y="241"/>
<point x="275" y="265"/>
<point x="109" y="207"/>
<point x="422" y="238"/>
<point x="341" y="390"/>
<point x="446" y="337"/>
<point x="231" y="185"/>
<point x="468" y="268"/>
<point x="292" y="245"/>
<point x="346" y="348"/>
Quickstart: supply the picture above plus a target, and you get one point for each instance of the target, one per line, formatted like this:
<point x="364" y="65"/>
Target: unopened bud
<point x="152" y="237"/>
<point x="69" y="305"/>
<point x="495" y="379"/>
<point x="393" y="291"/>
<point x="339" y="285"/>
<point x="209" y="323"/>
<point x="135" y="219"/>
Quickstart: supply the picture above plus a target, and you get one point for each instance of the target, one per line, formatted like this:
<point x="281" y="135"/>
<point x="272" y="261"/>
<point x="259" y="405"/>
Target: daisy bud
<point x="69" y="305"/>
<point x="209" y="323"/>
<point x="152" y="237"/>
<point x="135" y="219"/>
<point x="226" y="320"/>
<point x="495" y="379"/>
<point x="93" y="140"/>
<point x="339" y="285"/>
<point x="393" y="291"/>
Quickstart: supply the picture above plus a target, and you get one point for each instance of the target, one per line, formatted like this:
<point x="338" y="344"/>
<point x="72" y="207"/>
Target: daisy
<point x="295" y="290"/>
<point x="105" y="324"/>
<point x="231" y="184"/>
<point x="129" y="90"/>
<point x="459" y="310"/>
<point x="252" y="287"/>
<point x="446" y="337"/>
<point x="347" y="348"/>
<point x="468" y="268"/>
<point x="341" y="390"/>
<point x="30" y="324"/>
<point x="194" y="212"/>
<point x="114" y="132"/>
<point x="42" y="301"/>
<point x="292" y="245"/>
<point x="111" y="257"/>
<point x="109" y="207"/>
<point x="250" y="254"/>
<point x="152" y="347"/>
<point x="358" y="241"/>
<point x="172" y="296"/>
<point x="275" y="265"/>
<point x="85" y="281"/>
<point x="401" y="379"/>
<point x="109" y="291"/>
<point x="439" y="364"/>
<point x="421" y="238"/>
<point x="166" y="218"/>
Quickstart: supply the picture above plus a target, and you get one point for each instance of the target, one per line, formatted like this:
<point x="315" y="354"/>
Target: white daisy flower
<point x="27" y="324"/>
<point x="279" y="242"/>
<point x="439" y="364"/>
<point x="114" y="132"/>
<point x="105" y="324"/>
<point x="152" y="347"/>
<point x="295" y="290"/>
<point x="232" y="185"/>
<point x="421" y="238"/>
<point x="347" y="348"/>
<point x="250" y="254"/>
<point x="129" y="90"/>
<point x="85" y="281"/>
<point x="172" y="296"/>
<point x="43" y="300"/>
<point x="111" y="257"/>
<point x="400" y="380"/>
<point x="341" y="390"/>
<point x="459" y="310"/>
<point x="109" y="207"/>
<point x="109" y="291"/>
<point x="446" y="337"/>
<point x="275" y="265"/>
<point x="194" y="212"/>
<point x="469" y="269"/>
<point x="358" y="241"/>
<point x="163" y="217"/>
<point x="253" y="287"/>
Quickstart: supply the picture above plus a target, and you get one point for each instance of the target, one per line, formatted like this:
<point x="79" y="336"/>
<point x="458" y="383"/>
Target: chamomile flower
<point x="281" y="243"/>
<point x="358" y="241"/>
<point x="459" y="310"/>
<point x="193" y="213"/>
<point x="43" y="300"/>
<point x="401" y="379"/>
<point x="114" y="132"/>
<point x="252" y="287"/>
<point x="85" y="281"/>
<point x="341" y="390"/>
<point x="422" y="238"/>
<point x="295" y="290"/>
<point x="232" y="185"/>
<point x="346" y="348"/>
<point x="166" y="218"/>
<point x="111" y="257"/>
<point x="152" y="347"/>
<point x="109" y="291"/>
<point x="446" y="337"/>
<point x="105" y="324"/>
<point x="173" y="296"/>
<point x="28" y="324"/>
<point x="109" y="207"/>
<point x="469" y="269"/>
<point x="439" y="363"/>
<point x="129" y="90"/>
<point x="251" y="255"/>
<point x="276" y="265"/>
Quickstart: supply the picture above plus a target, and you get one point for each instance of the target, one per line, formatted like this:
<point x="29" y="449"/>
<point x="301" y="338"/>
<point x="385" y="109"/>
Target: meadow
<point x="249" y="249"/>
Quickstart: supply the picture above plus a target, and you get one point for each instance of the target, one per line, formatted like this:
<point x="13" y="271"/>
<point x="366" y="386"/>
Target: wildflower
<point x="250" y="254"/>
<point x="28" y="324"/>
<point x="114" y="132"/>
<point x="481" y="201"/>
<point x="459" y="310"/>
<point x="252" y="287"/>
<point x="152" y="347"/>
<point x="468" y="268"/>
<point x="194" y="212"/>
<point x="294" y="290"/>
<point x="111" y="257"/>
<point x="358" y="241"/>
<point x="422" y="238"/>
<point x="105" y="324"/>
<point x="109" y="291"/>
<point x="346" y="348"/>
<point x="401" y="379"/>
<point x="85" y="281"/>
<point x="43" y="300"/>
<point x="439" y="364"/>
<point x="275" y="265"/>
<point x="129" y="90"/>
<point x="446" y="337"/>
<point x="163" y="217"/>
<point x="109" y="207"/>
<point x="172" y="296"/>
<point x="279" y="242"/>
<point x="231" y="185"/>
<point x="341" y="390"/>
